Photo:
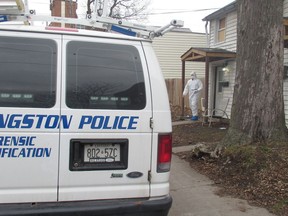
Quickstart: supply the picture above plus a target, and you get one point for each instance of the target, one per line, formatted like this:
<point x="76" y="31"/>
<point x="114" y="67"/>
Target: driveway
<point x="194" y="195"/>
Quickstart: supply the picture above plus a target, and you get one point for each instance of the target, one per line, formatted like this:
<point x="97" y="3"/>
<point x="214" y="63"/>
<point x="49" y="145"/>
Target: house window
<point x="221" y="30"/>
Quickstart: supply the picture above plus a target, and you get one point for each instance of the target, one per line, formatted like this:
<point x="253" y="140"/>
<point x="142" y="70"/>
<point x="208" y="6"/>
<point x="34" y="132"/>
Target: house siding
<point x="285" y="7"/>
<point x="171" y="46"/>
<point x="285" y="92"/>
<point x="285" y="85"/>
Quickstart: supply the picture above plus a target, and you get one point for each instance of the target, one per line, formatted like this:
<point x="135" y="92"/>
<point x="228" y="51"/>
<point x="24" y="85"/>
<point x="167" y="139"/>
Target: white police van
<point x="85" y="126"/>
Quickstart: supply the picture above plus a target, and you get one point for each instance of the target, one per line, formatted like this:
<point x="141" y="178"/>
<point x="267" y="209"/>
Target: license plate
<point x="101" y="153"/>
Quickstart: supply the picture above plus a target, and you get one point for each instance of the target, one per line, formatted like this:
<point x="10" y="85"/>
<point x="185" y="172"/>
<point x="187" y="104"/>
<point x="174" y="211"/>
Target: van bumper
<point x="129" y="207"/>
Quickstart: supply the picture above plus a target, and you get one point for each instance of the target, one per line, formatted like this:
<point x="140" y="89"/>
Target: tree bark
<point x="258" y="106"/>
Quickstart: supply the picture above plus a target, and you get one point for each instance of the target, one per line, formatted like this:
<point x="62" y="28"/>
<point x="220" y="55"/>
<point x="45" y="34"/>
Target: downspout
<point x="207" y="35"/>
<point x="207" y="69"/>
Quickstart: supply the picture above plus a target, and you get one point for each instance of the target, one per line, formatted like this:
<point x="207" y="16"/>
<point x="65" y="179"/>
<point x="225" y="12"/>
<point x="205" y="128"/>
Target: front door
<point x="218" y="102"/>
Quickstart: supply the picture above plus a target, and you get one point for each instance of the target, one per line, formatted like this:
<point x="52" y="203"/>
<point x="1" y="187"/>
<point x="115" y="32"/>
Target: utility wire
<point x="169" y="11"/>
<point x="181" y="11"/>
<point x="176" y="12"/>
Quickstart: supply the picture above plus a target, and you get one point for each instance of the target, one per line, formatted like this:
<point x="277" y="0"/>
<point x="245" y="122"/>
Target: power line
<point x="181" y="11"/>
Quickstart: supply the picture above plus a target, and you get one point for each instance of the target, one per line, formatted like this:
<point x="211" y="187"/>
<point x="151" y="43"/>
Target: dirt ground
<point x="257" y="173"/>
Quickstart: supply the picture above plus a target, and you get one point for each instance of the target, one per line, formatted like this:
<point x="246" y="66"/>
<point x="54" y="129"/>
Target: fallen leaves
<point x="257" y="173"/>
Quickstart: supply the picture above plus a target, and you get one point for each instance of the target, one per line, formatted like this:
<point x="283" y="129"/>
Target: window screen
<point x="27" y="72"/>
<point x="104" y="76"/>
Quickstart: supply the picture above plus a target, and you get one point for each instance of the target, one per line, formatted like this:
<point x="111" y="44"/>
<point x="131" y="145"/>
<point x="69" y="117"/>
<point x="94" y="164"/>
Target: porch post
<point x="183" y="85"/>
<point x="206" y="82"/>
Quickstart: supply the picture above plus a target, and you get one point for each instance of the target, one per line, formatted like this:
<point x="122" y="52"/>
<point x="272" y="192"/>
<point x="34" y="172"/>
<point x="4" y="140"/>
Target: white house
<point x="221" y="67"/>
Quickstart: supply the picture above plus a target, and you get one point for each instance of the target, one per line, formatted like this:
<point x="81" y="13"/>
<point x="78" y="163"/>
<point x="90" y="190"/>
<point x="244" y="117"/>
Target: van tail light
<point x="164" y="152"/>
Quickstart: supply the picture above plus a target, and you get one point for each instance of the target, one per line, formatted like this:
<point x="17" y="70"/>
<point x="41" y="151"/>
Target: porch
<point x="207" y="55"/>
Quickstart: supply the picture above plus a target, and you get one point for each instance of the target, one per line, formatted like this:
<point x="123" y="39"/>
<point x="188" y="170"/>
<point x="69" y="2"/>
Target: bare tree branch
<point x="124" y="9"/>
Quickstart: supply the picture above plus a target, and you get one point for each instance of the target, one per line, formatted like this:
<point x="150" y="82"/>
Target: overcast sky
<point x="162" y="11"/>
<point x="191" y="12"/>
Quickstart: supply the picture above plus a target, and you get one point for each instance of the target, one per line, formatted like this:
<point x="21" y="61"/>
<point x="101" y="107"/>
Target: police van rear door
<point x="29" y="117"/>
<point x="106" y="151"/>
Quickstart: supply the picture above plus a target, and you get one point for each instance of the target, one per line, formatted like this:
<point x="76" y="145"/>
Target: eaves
<point x="222" y="12"/>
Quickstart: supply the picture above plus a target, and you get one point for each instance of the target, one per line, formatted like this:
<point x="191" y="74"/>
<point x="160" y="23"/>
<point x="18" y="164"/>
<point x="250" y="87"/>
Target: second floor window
<point x="221" y="30"/>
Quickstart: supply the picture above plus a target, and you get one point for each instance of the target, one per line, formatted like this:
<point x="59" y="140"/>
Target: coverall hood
<point x="193" y="75"/>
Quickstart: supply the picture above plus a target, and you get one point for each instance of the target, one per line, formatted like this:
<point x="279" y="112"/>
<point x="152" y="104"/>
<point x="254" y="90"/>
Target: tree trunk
<point x="258" y="106"/>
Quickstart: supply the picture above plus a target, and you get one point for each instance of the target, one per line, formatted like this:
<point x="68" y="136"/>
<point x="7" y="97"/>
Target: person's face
<point x="192" y="77"/>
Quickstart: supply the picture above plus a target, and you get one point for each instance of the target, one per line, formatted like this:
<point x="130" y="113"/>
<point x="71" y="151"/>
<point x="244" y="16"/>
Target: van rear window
<point x="104" y="76"/>
<point x="27" y="72"/>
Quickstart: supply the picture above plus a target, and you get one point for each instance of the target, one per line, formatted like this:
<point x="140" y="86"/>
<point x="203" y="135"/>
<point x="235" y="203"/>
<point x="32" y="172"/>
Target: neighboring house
<point x="168" y="49"/>
<point x="171" y="46"/>
<point x="221" y="71"/>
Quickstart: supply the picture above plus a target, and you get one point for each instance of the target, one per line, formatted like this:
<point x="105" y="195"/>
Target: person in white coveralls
<point x="193" y="87"/>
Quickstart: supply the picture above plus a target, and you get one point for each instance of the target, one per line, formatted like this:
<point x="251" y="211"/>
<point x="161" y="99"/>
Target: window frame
<point x="221" y="29"/>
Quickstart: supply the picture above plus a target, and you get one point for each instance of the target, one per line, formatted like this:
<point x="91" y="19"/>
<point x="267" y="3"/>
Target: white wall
<point x="285" y="6"/>
<point x="285" y="87"/>
<point x="169" y="49"/>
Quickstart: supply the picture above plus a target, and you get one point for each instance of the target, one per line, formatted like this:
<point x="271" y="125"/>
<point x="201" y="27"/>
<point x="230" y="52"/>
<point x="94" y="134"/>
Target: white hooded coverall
<point x="193" y="86"/>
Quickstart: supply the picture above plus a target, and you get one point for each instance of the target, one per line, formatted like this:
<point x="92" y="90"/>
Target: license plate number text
<point x="102" y="153"/>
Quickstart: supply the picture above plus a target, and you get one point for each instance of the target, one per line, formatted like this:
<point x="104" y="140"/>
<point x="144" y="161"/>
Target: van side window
<point x="28" y="72"/>
<point x="104" y="76"/>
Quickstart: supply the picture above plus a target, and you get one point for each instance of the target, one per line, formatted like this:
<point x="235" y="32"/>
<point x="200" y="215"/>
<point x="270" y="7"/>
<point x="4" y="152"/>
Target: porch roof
<point x="200" y="54"/>
<point x="206" y="55"/>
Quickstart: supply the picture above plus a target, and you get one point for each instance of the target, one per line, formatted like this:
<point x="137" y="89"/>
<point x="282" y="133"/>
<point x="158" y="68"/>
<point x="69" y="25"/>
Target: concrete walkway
<point x="194" y="195"/>
<point x="187" y="121"/>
